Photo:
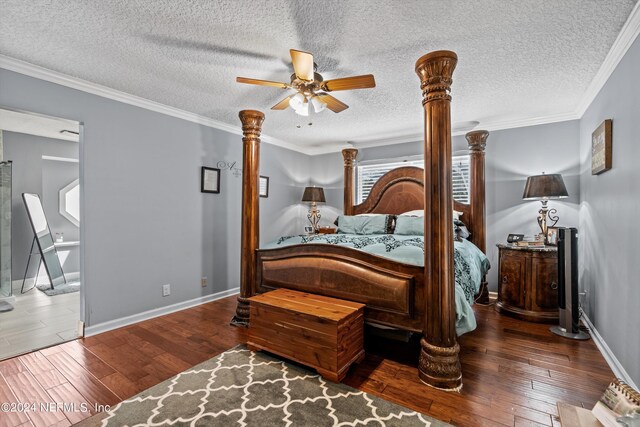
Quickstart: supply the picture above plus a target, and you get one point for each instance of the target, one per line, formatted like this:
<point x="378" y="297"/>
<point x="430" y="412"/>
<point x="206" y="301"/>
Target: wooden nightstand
<point x="528" y="283"/>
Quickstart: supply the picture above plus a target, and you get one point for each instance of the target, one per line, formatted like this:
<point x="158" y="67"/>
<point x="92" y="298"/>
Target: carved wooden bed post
<point x="477" y="141"/>
<point x="251" y="128"/>
<point x="349" y="155"/>
<point x="439" y="359"/>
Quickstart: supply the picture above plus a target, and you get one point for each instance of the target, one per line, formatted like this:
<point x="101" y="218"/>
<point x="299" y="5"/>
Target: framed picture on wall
<point x="601" y="148"/>
<point x="210" y="180"/>
<point x="264" y="186"/>
<point x="552" y="236"/>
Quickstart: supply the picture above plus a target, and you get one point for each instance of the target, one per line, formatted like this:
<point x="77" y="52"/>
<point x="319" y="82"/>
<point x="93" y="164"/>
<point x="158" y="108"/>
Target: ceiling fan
<point x="311" y="87"/>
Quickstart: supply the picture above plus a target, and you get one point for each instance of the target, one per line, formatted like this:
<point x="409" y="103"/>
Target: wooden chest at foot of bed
<point x="324" y="333"/>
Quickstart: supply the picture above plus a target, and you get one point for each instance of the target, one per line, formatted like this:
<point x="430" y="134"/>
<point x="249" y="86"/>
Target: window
<point x="368" y="174"/>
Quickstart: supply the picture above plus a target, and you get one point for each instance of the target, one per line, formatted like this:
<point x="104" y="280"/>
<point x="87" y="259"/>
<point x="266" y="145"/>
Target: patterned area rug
<point x="243" y="388"/>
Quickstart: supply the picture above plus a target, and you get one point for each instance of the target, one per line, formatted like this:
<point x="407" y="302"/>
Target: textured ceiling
<point x="518" y="60"/>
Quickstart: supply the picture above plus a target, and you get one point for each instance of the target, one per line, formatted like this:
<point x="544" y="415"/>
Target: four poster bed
<point x="399" y="295"/>
<point x="393" y="290"/>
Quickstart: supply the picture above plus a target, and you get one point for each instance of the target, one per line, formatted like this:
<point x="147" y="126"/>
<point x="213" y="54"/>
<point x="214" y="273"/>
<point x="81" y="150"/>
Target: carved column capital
<point x="477" y="140"/>
<point x="349" y="155"/>
<point x="435" y="70"/>
<point x="251" y="123"/>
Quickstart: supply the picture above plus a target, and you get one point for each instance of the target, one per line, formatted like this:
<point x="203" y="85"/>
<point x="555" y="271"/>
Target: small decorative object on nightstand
<point x="528" y="283"/>
<point x="314" y="195"/>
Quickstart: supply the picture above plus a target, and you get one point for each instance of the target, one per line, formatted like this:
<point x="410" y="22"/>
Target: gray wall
<point x="511" y="156"/>
<point x="610" y="202"/>
<point x="32" y="174"/>
<point x="145" y="221"/>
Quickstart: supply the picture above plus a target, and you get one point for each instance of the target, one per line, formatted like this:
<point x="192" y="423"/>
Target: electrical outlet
<point x="166" y="290"/>
<point x="203" y="281"/>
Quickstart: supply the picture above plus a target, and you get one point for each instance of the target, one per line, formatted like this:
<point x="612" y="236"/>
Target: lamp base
<point x="314" y="217"/>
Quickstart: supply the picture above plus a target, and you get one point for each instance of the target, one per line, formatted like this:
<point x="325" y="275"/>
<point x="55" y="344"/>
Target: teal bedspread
<point x="470" y="263"/>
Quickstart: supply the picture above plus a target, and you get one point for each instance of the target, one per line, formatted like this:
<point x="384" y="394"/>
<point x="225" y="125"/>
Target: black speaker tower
<point x="568" y="286"/>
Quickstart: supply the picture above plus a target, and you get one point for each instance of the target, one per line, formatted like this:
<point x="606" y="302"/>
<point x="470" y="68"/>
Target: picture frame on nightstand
<point x="552" y="236"/>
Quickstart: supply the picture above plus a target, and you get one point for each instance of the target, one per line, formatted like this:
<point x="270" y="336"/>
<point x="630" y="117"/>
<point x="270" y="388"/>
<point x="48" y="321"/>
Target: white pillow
<point x="418" y="212"/>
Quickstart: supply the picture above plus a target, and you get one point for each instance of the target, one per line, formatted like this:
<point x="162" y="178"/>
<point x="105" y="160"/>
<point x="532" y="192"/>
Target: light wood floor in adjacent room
<point x="38" y="321"/>
<point x="514" y="372"/>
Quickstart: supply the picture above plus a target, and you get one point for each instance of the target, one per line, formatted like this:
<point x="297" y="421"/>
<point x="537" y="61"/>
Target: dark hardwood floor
<point x="514" y="372"/>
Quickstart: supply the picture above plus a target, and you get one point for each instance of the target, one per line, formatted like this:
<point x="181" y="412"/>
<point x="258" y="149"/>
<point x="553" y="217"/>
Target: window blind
<point x="368" y="175"/>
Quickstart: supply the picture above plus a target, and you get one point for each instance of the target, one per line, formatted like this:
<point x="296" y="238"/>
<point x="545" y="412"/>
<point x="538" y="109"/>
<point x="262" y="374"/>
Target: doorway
<point x="40" y="200"/>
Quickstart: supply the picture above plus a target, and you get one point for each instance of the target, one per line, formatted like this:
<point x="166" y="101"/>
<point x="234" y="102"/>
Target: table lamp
<point x="314" y="195"/>
<point x="545" y="187"/>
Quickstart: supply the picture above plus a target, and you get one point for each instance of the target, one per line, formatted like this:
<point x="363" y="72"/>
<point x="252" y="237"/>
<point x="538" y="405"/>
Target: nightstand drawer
<point x="512" y="280"/>
<point x="528" y="283"/>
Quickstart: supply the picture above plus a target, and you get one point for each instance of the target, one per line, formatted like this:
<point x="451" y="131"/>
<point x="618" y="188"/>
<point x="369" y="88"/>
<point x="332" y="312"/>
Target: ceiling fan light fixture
<point x="296" y="101"/>
<point x="318" y="104"/>
<point x="303" y="109"/>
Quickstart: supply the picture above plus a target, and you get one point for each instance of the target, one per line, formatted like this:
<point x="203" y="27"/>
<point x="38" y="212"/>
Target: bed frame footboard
<point x="392" y="292"/>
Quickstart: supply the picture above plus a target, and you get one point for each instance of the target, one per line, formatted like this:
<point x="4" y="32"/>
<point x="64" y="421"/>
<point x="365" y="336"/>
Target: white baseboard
<point x="156" y="312"/>
<point x="608" y="355"/>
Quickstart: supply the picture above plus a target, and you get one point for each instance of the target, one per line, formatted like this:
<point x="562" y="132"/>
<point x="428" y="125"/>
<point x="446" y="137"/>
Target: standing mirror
<point x="42" y="235"/>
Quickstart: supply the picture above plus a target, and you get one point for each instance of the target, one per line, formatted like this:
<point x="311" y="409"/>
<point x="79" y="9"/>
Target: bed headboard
<point x="402" y="190"/>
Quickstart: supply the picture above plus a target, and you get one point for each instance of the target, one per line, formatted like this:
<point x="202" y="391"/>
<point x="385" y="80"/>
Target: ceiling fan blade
<point x="262" y="82"/>
<point x="282" y="104"/>
<point x="357" y="82"/>
<point x="333" y="104"/>
<point x="302" y="64"/>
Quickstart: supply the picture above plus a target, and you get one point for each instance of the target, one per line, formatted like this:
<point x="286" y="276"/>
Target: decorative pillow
<point x="363" y="224"/>
<point x="390" y="222"/>
<point x="418" y="212"/>
<point x="460" y="230"/>
<point x="409" y="225"/>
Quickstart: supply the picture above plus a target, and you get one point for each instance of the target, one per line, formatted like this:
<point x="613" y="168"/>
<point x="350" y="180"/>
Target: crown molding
<point x="62" y="79"/>
<point x="621" y="45"/>
<point x="530" y="121"/>
<point x="490" y="126"/>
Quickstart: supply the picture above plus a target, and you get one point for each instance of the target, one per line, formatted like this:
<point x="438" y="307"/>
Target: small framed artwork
<point x="601" y="148"/>
<point x="264" y="186"/>
<point x="210" y="180"/>
<point x="552" y="236"/>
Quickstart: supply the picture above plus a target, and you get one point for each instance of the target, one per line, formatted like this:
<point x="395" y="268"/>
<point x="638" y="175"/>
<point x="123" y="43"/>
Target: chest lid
<point x="331" y="309"/>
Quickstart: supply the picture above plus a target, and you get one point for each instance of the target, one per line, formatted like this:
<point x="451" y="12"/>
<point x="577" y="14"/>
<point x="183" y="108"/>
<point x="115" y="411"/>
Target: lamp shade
<point x="545" y="187"/>
<point x="313" y="194"/>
